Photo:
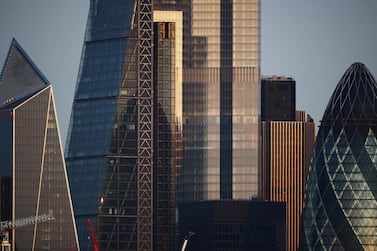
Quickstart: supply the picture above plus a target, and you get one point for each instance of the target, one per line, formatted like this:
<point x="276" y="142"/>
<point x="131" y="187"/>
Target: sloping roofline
<point x="15" y="44"/>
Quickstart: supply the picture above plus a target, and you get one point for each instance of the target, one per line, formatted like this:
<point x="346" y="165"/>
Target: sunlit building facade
<point x="221" y="65"/>
<point x="33" y="174"/>
<point x="152" y="74"/>
<point x="286" y="146"/>
<point x="340" y="199"/>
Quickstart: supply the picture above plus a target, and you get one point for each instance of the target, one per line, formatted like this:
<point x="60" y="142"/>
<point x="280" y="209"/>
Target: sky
<point x="312" y="41"/>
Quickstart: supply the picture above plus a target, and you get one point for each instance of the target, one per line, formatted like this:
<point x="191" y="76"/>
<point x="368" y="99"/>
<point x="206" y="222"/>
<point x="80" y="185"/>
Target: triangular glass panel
<point x="20" y="77"/>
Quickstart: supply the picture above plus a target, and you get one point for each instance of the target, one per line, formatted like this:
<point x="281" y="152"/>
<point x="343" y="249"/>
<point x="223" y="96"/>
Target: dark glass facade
<point x="101" y="121"/>
<point x="33" y="175"/>
<point x="125" y="142"/>
<point x="233" y="225"/>
<point x="340" y="200"/>
<point x="278" y="99"/>
<point x="286" y="148"/>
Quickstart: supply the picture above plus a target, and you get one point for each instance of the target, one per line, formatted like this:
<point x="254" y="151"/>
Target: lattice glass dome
<point x="340" y="209"/>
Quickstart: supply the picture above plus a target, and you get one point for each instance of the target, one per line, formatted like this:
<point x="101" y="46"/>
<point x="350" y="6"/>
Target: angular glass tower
<point x="340" y="201"/>
<point x="124" y="149"/>
<point x="124" y="141"/>
<point x="94" y="113"/>
<point x="33" y="175"/>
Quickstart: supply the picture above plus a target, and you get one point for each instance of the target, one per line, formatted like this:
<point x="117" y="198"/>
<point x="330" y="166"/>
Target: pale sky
<point x="312" y="41"/>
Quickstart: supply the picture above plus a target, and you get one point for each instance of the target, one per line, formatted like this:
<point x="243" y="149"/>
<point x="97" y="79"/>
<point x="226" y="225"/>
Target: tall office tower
<point x="278" y="95"/>
<point x="340" y="199"/>
<point x="168" y="123"/>
<point x="33" y="175"/>
<point x="287" y="144"/>
<point x="124" y="143"/>
<point x="221" y="49"/>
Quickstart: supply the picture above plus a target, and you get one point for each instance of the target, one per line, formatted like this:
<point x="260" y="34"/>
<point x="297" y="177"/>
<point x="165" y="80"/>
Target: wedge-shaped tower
<point x="33" y="175"/>
<point x="340" y="202"/>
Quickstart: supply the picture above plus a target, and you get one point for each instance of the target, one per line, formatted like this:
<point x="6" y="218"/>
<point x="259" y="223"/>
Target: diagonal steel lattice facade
<point x="116" y="135"/>
<point x="340" y="201"/>
<point x="145" y="127"/>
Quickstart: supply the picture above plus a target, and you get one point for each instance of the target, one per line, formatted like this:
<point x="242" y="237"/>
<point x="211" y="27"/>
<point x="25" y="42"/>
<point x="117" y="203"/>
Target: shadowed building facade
<point x="340" y="199"/>
<point x="228" y="225"/>
<point x="139" y="90"/>
<point x="33" y="175"/>
<point x="124" y="144"/>
<point x="288" y="138"/>
<point x="278" y="98"/>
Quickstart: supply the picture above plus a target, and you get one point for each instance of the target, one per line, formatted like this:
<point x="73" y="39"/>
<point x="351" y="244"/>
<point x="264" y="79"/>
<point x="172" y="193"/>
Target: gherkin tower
<point x="340" y="201"/>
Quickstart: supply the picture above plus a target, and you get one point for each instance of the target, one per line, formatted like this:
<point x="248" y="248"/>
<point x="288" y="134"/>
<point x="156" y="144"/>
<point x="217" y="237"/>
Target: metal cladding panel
<point x="340" y="201"/>
<point x="285" y="145"/>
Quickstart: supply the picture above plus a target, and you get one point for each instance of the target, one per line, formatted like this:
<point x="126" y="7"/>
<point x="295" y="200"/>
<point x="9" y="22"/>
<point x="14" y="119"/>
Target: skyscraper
<point x="221" y="57"/>
<point x="278" y="98"/>
<point x="287" y="147"/>
<point x="139" y="88"/>
<point x="287" y="144"/>
<point x="33" y="175"/>
<point x="124" y="145"/>
<point x="340" y="199"/>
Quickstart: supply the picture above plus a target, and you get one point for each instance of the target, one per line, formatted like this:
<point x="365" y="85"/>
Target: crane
<point x="93" y="235"/>
<point x="186" y="239"/>
<point x="5" y="226"/>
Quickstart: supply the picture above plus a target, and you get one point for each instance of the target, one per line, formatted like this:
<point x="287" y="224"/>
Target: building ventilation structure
<point x="340" y="201"/>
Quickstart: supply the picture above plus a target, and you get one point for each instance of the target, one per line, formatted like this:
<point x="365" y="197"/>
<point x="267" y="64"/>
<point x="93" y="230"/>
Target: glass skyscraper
<point x="163" y="89"/>
<point x="124" y="145"/>
<point x="340" y="200"/>
<point x="221" y="58"/>
<point x="33" y="175"/>
<point x="95" y="111"/>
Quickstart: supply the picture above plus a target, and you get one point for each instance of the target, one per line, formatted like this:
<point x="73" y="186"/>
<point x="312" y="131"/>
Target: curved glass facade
<point x="124" y="141"/>
<point x="340" y="202"/>
<point x="96" y="108"/>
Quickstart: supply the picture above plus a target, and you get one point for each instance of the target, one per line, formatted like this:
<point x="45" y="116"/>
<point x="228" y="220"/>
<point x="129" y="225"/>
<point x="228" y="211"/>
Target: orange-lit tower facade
<point x="285" y="152"/>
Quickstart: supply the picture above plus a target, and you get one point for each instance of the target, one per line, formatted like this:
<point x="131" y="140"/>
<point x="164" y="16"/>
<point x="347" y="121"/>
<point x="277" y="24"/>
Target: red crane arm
<point x="93" y="235"/>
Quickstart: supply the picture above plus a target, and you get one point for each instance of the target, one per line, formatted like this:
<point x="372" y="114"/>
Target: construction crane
<point x="93" y="235"/>
<point x="186" y="239"/>
<point x="5" y="226"/>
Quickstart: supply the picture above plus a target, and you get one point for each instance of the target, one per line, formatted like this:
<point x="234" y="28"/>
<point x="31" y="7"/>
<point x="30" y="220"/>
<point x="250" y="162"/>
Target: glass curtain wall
<point x="220" y="98"/>
<point x="100" y="161"/>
